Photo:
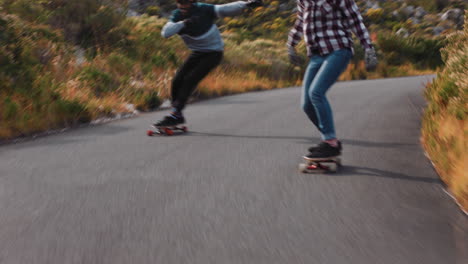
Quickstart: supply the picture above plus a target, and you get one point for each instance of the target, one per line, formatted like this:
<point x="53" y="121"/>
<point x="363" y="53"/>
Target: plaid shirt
<point x="327" y="25"/>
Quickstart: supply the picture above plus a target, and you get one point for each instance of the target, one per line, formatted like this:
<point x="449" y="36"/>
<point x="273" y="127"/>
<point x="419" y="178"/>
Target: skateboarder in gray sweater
<point x="195" y="24"/>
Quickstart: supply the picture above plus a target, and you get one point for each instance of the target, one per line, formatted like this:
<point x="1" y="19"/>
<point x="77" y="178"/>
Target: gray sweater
<point x="204" y="36"/>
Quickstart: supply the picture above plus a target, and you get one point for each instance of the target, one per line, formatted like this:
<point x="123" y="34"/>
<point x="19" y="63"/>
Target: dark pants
<point x="194" y="69"/>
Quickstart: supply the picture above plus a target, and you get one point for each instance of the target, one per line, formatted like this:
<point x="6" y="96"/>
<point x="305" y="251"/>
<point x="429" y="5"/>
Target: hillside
<point x="67" y="62"/>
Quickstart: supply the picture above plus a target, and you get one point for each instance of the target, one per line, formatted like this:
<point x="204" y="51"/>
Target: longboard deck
<point x="166" y="131"/>
<point x="320" y="165"/>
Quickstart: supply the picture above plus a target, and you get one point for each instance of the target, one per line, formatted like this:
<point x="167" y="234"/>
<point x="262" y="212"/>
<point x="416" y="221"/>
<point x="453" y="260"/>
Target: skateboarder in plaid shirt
<point x="194" y="22"/>
<point x="326" y="26"/>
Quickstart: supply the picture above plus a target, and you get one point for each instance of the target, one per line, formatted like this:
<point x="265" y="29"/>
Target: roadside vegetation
<point x="445" y="129"/>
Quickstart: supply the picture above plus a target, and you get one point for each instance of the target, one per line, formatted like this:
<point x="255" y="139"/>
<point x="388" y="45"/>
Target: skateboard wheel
<point x="169" y="132"/>
<point x="303" y="168"/>
<point x="338" y="162"/>
<point x="184" y="129"/>
<point x="325" y="167"/>
<point x="149" y="133"/>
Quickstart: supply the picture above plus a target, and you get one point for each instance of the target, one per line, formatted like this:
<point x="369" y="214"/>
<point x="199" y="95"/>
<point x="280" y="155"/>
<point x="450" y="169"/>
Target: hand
<point x="295" y="59"/>
<point x="191" y="20"/>
<point x="370" y="59"/>
<point x="254" y="3"/>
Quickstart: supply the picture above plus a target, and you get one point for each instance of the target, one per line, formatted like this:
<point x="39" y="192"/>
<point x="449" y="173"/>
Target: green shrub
<point x="28" y="10"/>
<point x="10" y="109"/>
<point x="152" y="101"/>
<point x="146" y="101"/>
<point x="447" y="90"/>
<point x="100" y="81"/>
<point x="153" y="11"/>
<point x="419" y="51"/>
<point x="120" y="64"/>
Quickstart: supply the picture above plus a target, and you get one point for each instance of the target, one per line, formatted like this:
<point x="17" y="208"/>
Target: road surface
<point x="230" y="192"/>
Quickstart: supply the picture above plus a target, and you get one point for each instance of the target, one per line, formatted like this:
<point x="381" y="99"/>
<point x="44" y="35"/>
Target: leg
<point x="311" y="71"/>
<point x="206" y="62"/>
<point x="178" y="81"/>
<point x="332" y="67"/>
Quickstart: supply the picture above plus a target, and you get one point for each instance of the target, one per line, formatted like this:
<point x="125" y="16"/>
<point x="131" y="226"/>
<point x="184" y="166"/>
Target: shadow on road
<point x="205" y="134"/>
<point x="362" y="171"/>
<point x="307" y="140"/>
<point x="375" y="144"/>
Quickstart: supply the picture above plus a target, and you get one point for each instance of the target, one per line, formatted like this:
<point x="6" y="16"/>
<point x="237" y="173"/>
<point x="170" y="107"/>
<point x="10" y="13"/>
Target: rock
<point x="408" y="11"/>
<point x="455" y="15"/>
<point x="372" y="5"/>
<point x="419" y="13"/>
<point x="132" y="13"/>
<point x="415" y="21"/>
<point x="131" y="108"/>
<point x="166" y="104"/>
<point x="283" y="7"/>
<point x="438" y="30"/>
<point x="80" y="56"/>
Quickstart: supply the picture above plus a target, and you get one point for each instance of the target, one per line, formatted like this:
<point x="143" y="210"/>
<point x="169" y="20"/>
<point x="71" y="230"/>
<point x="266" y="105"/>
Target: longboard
<point x="166" y="131"/>
<point x="320" y="165"/>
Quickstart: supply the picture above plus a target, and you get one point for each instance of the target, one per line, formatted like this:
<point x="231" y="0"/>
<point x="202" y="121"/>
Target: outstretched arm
<point x="172" y="28"/>
<point x="295" y="36"/>
<point x="356" y="23"/>
<point x="235" y="8"/>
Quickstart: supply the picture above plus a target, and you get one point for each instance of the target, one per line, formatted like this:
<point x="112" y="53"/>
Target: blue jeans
<point x="321" y="73"/>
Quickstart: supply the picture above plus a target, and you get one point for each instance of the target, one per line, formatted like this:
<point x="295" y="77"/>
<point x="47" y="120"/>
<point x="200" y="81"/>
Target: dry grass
<point x="445" y="130"/>
<point x="222" y="83"/>
<point x="358" y="72"/>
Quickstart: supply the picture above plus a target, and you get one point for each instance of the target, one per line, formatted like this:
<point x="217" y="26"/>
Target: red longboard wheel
<point x="324" y="167"/>
<point x="149" y="133"/>
<point x="168" y="131"/>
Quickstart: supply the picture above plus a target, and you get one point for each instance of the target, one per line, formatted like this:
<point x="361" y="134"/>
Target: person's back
<point x="200" y="33"/>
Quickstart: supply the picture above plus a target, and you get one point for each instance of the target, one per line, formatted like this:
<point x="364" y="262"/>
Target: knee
<point x="306" y="105"/>
<point x="316" y="98"/>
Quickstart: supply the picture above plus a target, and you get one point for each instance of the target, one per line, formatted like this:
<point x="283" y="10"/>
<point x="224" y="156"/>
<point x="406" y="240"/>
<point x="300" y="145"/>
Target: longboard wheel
<point x="168" y="131"/>
<point x="303" y="168"/>
<point x="184" y="129"/>
<point x="150" y="133"/>
<point x="338" y="162"/>
<point x="313" y="167"/>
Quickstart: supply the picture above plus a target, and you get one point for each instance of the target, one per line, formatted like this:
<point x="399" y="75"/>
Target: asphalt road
<point x="230" y="192"/>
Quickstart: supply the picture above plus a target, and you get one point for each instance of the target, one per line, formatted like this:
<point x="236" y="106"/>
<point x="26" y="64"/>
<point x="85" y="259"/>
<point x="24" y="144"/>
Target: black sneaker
<point x="170" y="121"/>
<point x="318" y="146"/>
<point x="324" y="150"/>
